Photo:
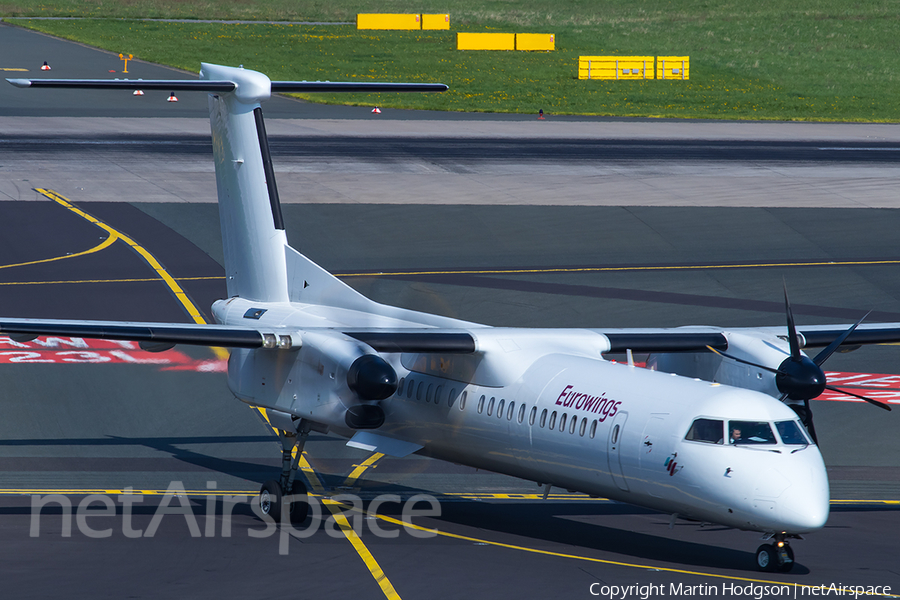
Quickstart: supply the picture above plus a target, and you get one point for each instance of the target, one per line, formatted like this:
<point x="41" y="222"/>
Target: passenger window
<point x="583" y="427"/>
<point x="500" y="408"/>
<point x="791" y="433"/>
<point x="490" y="410"/>
<point x="451" y="398"/>
<point x="532" y="416"/>
<point x="521" y="413"/>
<point x="437" y="394"/>
<point x="462" y="400"/>
<point x="708" y="431"/>
<point x="552" y="420"/>
<point x="750" y="432"/>
<point x="615" y="434"/>
<point x="428" y="394"/>
<point x="509" y="412"/>
<point x="400" y="387"/>
<point x="409" y="390"/>
<point x="593" y="428"/>
<point x="480" y="404"/>
<point x="543" y="418"/>
<point x="562" y="422"/>
<point x="573" y="424"/>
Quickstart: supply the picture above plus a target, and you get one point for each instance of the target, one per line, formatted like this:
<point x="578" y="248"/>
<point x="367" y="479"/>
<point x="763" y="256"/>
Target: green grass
<point x="815" y="60"/>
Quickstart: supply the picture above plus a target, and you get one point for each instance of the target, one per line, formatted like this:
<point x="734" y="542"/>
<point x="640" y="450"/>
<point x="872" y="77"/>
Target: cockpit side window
<point x="790" y="433"/>
<point x="705" y="430"/>
<point x="750" y="432"/>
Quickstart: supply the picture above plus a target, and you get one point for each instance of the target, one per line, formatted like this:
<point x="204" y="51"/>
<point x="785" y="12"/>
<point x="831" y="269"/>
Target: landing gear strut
<point x="287" y="497"/>
<point x="775" y="557"/>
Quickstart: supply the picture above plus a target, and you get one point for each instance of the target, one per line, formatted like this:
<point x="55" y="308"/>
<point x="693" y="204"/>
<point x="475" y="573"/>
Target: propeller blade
<point x="792" y="330"/>
<point x="741" y="360"/>
<point x="824" y="354"/>
<point x="869" y="400"/>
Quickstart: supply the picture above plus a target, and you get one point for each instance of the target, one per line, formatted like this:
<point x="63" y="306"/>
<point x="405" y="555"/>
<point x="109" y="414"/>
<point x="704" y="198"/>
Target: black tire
<point x="766" y="558"/>
<point x="786" y="564"/>
<point x="299" y="502"/>
<point x="270" y="500"/>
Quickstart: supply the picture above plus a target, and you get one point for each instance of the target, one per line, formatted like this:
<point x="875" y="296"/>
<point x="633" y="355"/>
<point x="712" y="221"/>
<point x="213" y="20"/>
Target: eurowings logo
<point x="73" y="350"/>
<point x="598" y="405"/>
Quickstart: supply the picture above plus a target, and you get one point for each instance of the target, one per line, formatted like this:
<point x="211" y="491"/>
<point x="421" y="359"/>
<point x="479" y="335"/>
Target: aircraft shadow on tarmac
<point x="175" y="447"/>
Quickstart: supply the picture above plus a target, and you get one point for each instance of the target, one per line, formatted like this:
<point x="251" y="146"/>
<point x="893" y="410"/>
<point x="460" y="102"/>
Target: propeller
<point x="800" y="378"/>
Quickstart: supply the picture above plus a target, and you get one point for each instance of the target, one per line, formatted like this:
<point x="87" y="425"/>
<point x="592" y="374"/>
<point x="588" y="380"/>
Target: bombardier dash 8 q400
<point x="719" y="430"/>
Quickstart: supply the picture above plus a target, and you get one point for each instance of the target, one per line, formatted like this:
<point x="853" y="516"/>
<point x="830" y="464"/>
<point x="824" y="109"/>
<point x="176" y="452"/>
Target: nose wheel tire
<point x="270" y="500"/>
<point x="771" y="559"/>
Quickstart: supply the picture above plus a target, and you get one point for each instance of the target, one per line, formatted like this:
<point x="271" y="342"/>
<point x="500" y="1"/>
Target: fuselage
<point x="549" y="409"/>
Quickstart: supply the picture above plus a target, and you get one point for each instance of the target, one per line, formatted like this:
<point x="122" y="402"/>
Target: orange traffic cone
<point x="376" y="111"/>
<point x="172" y="98"/>
<point x="45" y="66"/>
<point x="138" y="93"/>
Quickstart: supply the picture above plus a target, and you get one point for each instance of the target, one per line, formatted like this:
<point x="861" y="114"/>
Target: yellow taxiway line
<point x="456" y="536"/>
<point x="109" y="241"/>
<point x="830" y="263"/>
<point x="362" y="467"/>
<point x="154" y="264"/>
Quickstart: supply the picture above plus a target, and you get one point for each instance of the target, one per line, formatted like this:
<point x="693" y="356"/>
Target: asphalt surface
<point x="100" y="419"/>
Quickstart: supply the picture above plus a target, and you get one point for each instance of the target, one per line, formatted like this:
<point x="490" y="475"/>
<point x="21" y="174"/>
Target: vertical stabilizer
<point x="252" y="229"/>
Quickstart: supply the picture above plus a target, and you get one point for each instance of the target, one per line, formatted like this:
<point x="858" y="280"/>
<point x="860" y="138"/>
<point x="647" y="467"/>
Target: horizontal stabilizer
<point x="221" y="87"/>
<point x="176" y="85"/>
<point x="353" y="86"/>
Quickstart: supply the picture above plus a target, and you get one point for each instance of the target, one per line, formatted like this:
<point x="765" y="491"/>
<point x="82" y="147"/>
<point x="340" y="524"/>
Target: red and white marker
<point x="45" y="66"/>
<point x="376" y="111"/>
<point x="138" y="93"/>
<point x="172" y="98"/>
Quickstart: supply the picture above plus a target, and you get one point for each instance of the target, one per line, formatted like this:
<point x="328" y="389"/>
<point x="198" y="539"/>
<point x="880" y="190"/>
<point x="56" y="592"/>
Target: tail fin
<point x="259" y="264"/>
<point x="252" y="226"/>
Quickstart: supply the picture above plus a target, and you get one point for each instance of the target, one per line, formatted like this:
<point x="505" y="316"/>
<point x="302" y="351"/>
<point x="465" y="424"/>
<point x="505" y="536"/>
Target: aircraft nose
<point x="806" y="503"/>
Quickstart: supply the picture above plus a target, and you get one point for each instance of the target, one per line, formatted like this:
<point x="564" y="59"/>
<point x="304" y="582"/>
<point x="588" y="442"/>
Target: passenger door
<point x="614" y="452"/>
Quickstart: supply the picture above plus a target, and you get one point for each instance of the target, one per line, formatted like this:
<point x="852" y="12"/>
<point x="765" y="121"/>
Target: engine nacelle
<point x="753" y="347"/>
<point x="332" y="379"/>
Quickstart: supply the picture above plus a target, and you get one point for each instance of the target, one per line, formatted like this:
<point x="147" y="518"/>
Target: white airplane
<point x="707" y="433"/>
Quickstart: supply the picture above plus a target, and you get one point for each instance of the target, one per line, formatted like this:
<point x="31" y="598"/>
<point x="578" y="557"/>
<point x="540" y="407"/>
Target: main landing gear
<point x="286" y="499"/>
<point x="775" y="557"/>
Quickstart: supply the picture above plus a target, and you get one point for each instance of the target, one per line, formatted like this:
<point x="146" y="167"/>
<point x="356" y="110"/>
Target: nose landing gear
<point x="777" y="557"/>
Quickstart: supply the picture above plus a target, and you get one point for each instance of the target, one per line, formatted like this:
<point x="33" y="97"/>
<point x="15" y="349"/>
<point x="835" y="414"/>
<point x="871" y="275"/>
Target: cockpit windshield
<point x="706" y="430"/>
<point x="791" y="433"/>
<point x="710" y="431"/>
<point x="750" y="432"/>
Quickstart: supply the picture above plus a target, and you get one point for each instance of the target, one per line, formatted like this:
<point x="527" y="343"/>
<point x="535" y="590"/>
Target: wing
<point x="160" y="336"/>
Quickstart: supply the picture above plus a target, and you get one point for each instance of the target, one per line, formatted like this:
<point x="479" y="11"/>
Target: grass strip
<point x="811" y="61"/>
